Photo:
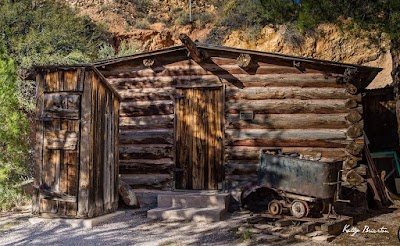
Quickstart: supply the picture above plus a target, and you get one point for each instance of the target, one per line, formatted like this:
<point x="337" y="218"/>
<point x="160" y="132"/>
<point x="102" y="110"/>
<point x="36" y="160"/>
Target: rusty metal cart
<point x="303" y="186"/>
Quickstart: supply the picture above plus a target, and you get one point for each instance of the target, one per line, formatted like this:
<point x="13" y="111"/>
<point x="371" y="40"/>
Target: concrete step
<point x="187" y="214"/>
<point x="193" y="200"/>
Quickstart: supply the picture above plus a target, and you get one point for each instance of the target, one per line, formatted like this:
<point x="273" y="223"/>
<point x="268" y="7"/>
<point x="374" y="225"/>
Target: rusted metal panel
<point x="298" y="176"/>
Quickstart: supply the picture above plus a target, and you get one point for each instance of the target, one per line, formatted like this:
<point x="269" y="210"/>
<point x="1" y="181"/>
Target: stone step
<point x="187" y="214"/>
<point x="193" y="200"/>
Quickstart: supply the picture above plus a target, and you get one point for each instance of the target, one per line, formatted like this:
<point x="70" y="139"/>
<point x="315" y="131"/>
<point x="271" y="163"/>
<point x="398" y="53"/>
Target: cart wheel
<point x="275" y="207"/>
<point x="299" y="209"/>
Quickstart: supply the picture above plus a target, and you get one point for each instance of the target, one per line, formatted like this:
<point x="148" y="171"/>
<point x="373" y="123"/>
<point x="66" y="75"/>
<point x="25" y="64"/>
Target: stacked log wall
<point x="304" y="111"/>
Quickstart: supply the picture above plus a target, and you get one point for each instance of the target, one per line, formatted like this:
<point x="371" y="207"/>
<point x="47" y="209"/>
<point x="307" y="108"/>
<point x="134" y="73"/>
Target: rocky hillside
<point x="155" y="24"/>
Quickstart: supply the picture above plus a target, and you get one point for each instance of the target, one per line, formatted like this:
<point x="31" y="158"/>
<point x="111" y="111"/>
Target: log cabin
<point x="195" y="116"/>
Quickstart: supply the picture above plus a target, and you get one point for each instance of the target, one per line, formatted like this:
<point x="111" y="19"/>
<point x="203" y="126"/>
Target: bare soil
<point x="133" y="228"/>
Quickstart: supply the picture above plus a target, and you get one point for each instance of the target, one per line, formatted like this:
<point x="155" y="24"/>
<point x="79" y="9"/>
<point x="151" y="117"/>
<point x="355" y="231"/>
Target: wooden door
<point x="59" y="178"/>
<point x="199" y="118"/>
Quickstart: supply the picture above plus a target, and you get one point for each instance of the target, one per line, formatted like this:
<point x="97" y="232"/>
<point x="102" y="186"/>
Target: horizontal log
<point x="289" y="106"/>
<point x="147" y="94"/>
<point x="351" y="89"/>
<point x="146" y="108"/>
<point x="185" y="69"/>
<point x="239" y="169"/>
<point x="361" y="170"/>
<point x="240" y="81"/>
<point x="146" y="180"/>
<point x="356" y="130"/>
<point x="280" y="80"/>
<point x="288" y="121"/>
<point x="147" y="122"/>
<point x="354" y="148"/>
<point x="162" y="82"/>
<point x="145" y="152"/>
<point x="252" y="153"/>
<point x="179" y="59"/>
<point x="150" y="136"/>
<point x="350" y="162"/>
<point x="354" y="178"/>
<point x="353" y="116"/>
<point x="243" y="162"/>
<point x="291" y="137"/>
<point x="262" y="93"/>
<point x="352" y="103"/>
<point x="241" y="178"/>
<point x="146" y="166"/>
<point x="66" y="140"/>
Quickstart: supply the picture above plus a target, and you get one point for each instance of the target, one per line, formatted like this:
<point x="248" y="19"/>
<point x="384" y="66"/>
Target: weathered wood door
<point x="199" y="115"/>
<point x="60" y="119"/>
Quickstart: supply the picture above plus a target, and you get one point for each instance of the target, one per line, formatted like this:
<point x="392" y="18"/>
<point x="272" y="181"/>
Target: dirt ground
<point x="133" y="228"/>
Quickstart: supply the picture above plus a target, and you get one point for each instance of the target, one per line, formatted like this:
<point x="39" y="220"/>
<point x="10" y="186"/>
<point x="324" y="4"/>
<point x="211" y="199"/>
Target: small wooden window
<point x="246" y="115"/>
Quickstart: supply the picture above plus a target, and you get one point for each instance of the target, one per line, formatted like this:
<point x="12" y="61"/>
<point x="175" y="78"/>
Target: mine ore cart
<point x="302" y="186"/>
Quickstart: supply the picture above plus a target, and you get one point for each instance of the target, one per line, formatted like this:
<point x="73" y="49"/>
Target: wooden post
<point x="38" y="143"/>
<point x="194" y="52"/>
<point x="86" y="145"/>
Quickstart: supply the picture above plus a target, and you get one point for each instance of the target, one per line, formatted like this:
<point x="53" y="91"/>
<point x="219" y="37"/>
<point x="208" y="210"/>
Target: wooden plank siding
<point x="308" y="112"/>
<point x="77" y="138"/>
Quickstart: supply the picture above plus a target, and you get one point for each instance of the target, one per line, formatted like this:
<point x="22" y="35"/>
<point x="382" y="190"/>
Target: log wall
<point x="307" y="111"/>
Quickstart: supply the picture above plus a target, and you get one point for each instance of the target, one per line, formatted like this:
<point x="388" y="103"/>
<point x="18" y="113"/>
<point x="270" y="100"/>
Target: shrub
<point x="142" y="24"/>
<point x="106" y="51"/>
<point x="13" y="126"/>
<point x="202" y="19"/>
<point x="49" y="32"/>
<point x="238" y="13"/>
<point x="128" y="47"/>
<point x="182" y="18"/>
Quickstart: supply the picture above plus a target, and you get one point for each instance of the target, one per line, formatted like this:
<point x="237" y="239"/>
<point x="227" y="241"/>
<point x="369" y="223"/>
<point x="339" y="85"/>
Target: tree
<point x="43" y="32"/>
<point x="13" y="126"/>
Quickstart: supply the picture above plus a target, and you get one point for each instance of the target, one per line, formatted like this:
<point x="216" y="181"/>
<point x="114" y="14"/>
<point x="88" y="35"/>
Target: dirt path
<point x="133" y="228"/>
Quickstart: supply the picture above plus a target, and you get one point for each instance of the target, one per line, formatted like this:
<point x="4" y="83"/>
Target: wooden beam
<point x="194" y="52"/>
<point x="244" y="61"/>
<point x="148" y="62"/>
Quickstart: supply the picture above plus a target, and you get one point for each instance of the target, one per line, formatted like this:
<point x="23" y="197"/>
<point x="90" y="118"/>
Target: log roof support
<point x="194" y="52"/>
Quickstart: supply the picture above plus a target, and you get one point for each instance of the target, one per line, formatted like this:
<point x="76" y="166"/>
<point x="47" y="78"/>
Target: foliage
<point x="238" y="13"/>
<point x="182" y="17"/>
<point x="42" y="32"/>
<point x="143" y="6"/>
<point x="142" y="24"/>
<point x="13" y="127"/>
<point x="127" y="47"/>
<point x="11" y="197"/>
<point x="380" y="15"/>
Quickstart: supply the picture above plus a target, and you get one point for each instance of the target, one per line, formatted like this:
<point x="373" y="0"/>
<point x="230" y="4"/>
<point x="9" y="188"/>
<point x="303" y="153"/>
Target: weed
<point x="169" y="243"/>
<point x="142" y="24"/>
<point x="246" y="235"/>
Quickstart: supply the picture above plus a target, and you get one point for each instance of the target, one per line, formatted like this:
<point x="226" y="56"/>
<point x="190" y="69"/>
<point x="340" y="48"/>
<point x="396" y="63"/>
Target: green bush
<point x="13" y="126"/>
<point x="128" y="47"/>
<point x="182" y="18"/>
<point x="142" y="24"/>
<point x="238" y="13"/>
<point x="11" y="197"/>
<point x="48" y="32"/>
